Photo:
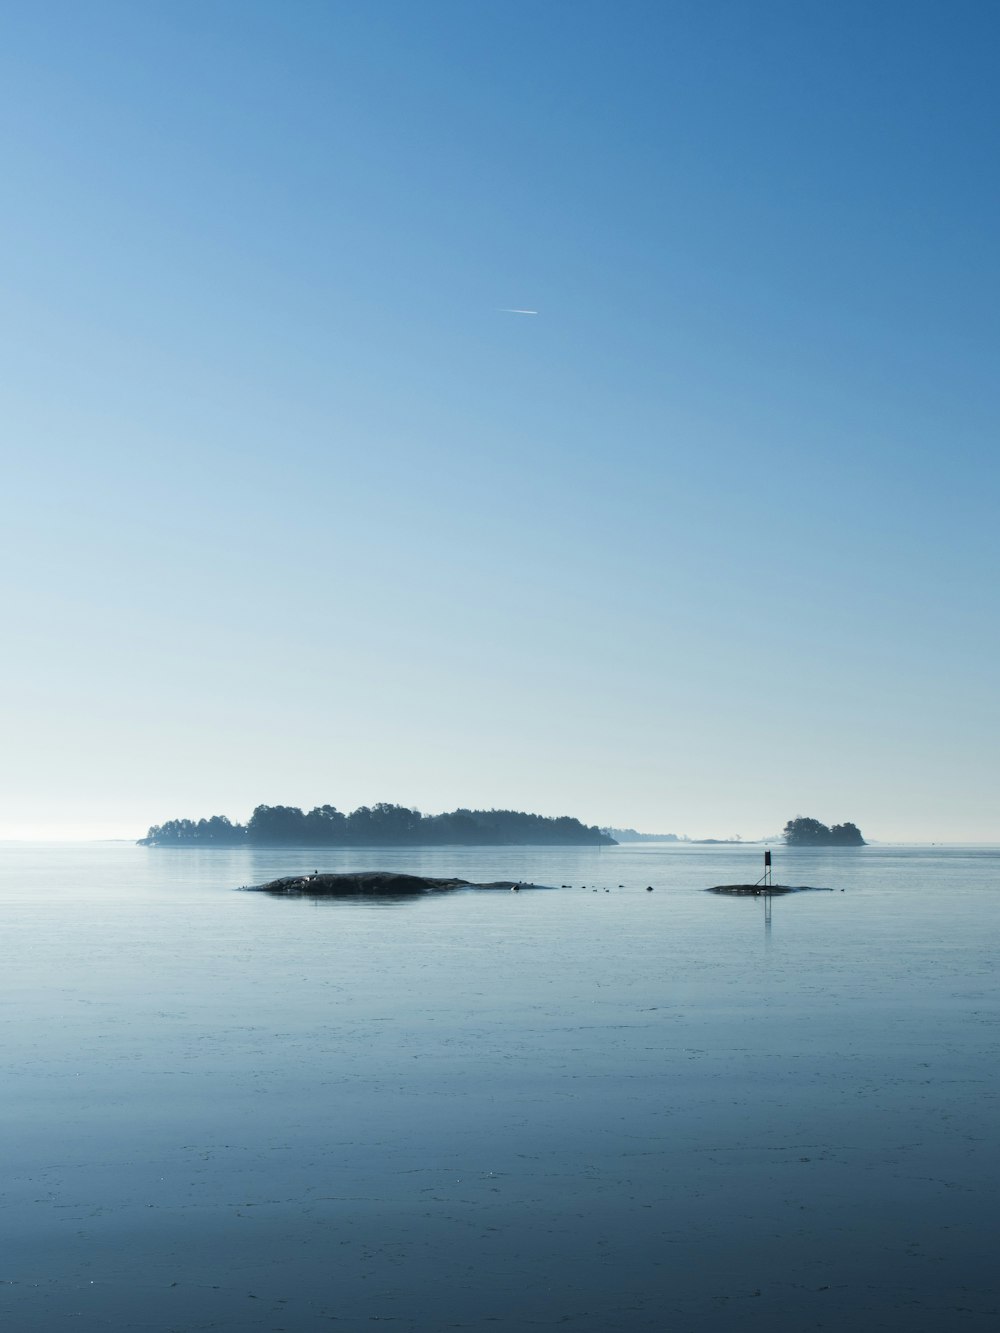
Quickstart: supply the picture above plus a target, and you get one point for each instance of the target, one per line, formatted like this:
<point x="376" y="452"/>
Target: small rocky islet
<point x="759" y="890"/>
<point x="384" y="883"/>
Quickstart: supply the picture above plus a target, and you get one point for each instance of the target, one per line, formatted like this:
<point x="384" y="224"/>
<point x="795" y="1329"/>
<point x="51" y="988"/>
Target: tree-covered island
<point x="376" y="826"/>
<point x="802" y="832"/>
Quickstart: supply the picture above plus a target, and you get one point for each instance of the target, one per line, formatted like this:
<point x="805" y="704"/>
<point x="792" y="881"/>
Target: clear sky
<point x="294" y="512"/>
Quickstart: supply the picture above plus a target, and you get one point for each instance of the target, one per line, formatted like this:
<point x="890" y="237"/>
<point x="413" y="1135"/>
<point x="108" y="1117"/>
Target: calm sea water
<point x="599" y="1111"/>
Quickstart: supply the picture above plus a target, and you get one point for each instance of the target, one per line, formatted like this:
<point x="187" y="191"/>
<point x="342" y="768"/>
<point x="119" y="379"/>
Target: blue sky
<point x="294" y="513"/>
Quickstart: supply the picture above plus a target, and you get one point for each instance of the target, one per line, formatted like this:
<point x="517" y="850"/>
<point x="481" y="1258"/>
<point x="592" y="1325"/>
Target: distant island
<point x="630" y="835"/>
<point x="720" y="842"/>
<point x="802" y="832"/>
<point x="376" y="826"/>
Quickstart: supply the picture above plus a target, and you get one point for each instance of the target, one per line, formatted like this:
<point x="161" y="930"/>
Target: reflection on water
<point x="598" y="1107"/>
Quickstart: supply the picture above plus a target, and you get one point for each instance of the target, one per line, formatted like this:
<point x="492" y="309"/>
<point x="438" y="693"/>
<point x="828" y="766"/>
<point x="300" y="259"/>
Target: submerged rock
<point x="382" y="882"/>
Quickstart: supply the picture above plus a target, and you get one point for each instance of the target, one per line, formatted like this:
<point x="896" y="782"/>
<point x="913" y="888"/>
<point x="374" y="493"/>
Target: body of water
<point x="594" y="1110"/>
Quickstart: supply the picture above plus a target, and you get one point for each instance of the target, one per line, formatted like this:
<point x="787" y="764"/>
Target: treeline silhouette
<point x="375" y="826"/>
<point x="804" y="832"/>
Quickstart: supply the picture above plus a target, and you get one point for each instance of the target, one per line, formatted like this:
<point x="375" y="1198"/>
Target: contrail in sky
<point x="507" y="310"/>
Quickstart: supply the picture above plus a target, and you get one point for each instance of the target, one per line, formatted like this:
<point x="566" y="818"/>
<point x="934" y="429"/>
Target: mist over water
<point x="601" y="1110"/>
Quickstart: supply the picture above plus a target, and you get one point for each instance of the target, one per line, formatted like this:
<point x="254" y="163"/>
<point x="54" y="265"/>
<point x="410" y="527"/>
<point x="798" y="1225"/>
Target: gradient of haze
<point x="296" y="512"/>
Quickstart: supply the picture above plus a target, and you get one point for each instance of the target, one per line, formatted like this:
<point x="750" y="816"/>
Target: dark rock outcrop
<point x="758" y="890"/>
<point x="382" y="883"/>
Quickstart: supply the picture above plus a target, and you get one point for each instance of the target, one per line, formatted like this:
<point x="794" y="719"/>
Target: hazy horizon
<point x="304" y="505"/>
